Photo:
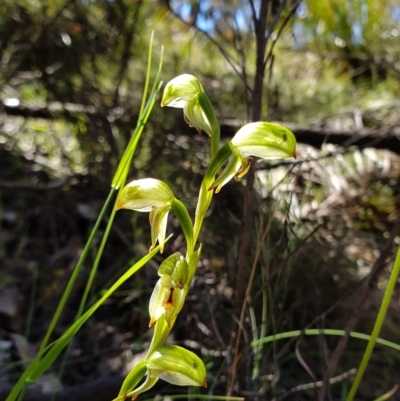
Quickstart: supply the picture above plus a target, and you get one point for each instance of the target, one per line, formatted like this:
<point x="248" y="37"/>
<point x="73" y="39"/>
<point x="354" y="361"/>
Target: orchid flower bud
<point x="177" y="365"/>
<point x="154" y="196"/>
<point x="167" y="298"/>
<point x="174" y="271"/>
<point x="187" y="93"/>
<point x="260" y="139"/>
<point x="149" y="195"/>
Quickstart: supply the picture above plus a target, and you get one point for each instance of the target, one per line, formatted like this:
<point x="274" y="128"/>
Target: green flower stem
<point x="186" y="223"/>
<point x="123" y="167"/>
<point x="193" y="260"/>
<point x="132" y="379"/>
<point x="40" y="363"/>
<point x="90" y="281"/>
<point x="147" y="385"/>
<point x="148" y="73"/>
<point x="75" y="274"/>
<point x="205" y="195"/>
<point x="377" y="327"/>
<point x="160" y="334"/>
<point x="208" y="109"/>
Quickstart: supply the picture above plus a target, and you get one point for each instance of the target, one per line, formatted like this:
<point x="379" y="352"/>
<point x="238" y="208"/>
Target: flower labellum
<point x="236" y="168"/>
<point x="164" y="301"/>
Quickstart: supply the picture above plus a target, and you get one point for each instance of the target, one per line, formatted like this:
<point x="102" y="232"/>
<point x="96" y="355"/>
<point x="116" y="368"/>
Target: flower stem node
<point x="177" y="365"/>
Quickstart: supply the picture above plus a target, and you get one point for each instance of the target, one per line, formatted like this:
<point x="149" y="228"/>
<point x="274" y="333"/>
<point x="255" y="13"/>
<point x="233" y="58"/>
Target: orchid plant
<point x="265" y="140"/>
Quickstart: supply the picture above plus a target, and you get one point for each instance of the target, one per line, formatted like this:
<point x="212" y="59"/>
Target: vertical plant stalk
<point x="244" y="248"/>
<point x="377" y="327"/>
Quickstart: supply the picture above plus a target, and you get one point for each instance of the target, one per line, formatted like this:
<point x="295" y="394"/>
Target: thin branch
<point x="384" y="137"/>
<point x="253" y="12"/>
<point x="303" y="363"/>
<point x="220" y="48"/>
<point x="17" y="186"/>
<point x="370" y="278"/>
<point x="123" y="67"/>
<point x="282" y="27"/>
<point x="277" y="15"/>
<point x="308" y="386"/>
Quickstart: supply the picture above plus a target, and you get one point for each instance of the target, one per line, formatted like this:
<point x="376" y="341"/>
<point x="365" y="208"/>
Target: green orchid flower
<point x="265" y="140"/>
<point x="177" y="365"/>
<point x="186" y="92"/>
<point x="171" y="363"/>
<point x="149" y="195"/>
<point x="260" y="139"/>
<point x="174" y="271"/>
<point x="155" y="196"/>
<point x="168" y="296"/>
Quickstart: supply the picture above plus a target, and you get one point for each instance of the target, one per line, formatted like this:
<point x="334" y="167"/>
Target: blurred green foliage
<point x="71" y="78"/>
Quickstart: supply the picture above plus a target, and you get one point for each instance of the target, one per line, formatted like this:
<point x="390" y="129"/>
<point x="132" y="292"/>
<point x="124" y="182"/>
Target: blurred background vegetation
<point x="326" y="225"/>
